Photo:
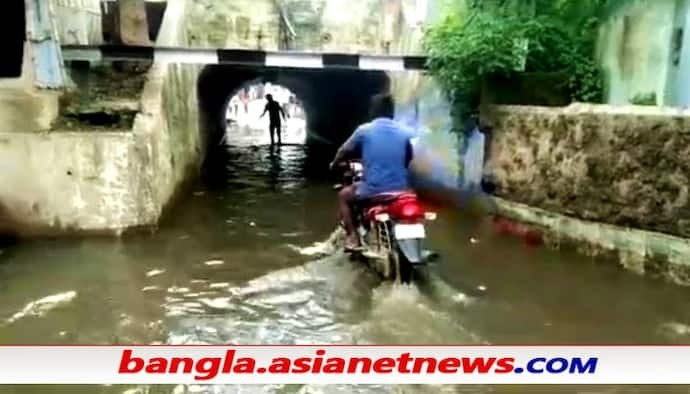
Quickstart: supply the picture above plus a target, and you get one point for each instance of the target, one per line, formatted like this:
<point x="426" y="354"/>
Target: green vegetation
<point x="478" y="38"/>
<point x="644" y="99"/>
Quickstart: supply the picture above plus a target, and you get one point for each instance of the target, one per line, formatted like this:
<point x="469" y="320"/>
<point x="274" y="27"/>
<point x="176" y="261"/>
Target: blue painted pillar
<point x="48" y="64"/>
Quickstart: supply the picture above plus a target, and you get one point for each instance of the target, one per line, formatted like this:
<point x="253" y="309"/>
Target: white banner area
<point x="345" y="364"/>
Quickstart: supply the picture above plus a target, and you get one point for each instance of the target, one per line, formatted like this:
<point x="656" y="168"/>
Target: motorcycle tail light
<point x="408" y="210"/>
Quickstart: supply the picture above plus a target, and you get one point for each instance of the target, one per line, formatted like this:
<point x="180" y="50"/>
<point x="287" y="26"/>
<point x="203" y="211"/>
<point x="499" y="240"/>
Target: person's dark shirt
<point x="274" y="111"/>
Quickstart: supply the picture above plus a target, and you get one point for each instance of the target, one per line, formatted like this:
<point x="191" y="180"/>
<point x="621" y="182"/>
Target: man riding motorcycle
<point x="385" y="149"/>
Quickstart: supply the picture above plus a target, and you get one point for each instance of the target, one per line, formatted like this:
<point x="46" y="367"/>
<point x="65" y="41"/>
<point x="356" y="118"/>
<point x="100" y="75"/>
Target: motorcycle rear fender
<point x="412" y="250"/>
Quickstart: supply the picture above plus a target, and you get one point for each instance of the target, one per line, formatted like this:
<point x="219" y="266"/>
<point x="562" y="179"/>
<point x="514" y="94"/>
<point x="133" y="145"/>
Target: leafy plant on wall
<point x="477" y="38"/>
<point x="644" y="99"/>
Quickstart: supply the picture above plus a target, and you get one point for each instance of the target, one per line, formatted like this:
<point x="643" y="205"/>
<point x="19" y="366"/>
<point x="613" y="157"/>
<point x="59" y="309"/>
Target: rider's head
<point x="269" y="97"/>
<point x="382" y="106"/>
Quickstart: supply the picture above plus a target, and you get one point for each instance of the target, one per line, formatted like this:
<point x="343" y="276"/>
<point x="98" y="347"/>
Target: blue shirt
<point x="383" y="147"/>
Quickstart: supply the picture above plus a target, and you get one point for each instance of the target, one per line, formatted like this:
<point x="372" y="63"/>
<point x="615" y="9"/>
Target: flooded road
<point x="240" y="261"/>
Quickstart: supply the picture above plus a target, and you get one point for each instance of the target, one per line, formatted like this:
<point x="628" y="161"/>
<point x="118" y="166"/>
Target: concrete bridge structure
<point x="85" y="149"/>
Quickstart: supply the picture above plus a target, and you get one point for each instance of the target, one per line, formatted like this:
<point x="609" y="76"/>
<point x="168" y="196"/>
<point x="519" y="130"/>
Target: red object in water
<point x="533" y="237"/>
<point x="520" y="230"/>
<point x="502" y="226"/>
<point x="530" y="236"/>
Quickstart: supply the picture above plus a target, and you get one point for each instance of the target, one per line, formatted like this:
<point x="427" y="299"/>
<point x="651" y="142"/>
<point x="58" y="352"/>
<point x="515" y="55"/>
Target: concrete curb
<point x="643" y="252"/>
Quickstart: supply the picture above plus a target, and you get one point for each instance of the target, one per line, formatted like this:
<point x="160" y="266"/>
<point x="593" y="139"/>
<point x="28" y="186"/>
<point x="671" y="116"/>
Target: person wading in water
<point x="274" y="112"/>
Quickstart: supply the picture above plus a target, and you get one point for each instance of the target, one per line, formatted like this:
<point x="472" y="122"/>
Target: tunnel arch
<point x="335" y="101"/>
<point x="236" y="91"/>
<point x="245" y="126"/>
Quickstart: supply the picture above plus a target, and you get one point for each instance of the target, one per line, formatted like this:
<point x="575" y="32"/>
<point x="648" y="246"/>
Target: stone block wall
<point x="625" y="166"/>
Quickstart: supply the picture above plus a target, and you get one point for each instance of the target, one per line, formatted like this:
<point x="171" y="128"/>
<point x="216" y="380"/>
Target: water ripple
<point x="44" y="305"/>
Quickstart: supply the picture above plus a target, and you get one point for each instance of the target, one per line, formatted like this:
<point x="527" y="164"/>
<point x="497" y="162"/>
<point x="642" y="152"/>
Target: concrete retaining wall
<point x="616" y="165"/>
<point x="625" y="168"/>
<point x="65" y="181"/>
<point x="106" y="182"/>
<point x="22" y="106"/>
<point x="168" y="125"/>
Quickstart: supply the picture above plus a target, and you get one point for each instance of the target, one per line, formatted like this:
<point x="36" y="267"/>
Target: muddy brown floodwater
<point x="234" y="264"/>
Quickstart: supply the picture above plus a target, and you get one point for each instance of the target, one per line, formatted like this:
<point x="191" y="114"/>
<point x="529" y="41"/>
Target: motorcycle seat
<point x="385" y="198"/>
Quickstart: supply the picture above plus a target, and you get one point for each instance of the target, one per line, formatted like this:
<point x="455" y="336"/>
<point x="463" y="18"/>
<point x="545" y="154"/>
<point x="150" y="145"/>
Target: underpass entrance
<point x="247" y="124"/>
<point x="333" y="103"/>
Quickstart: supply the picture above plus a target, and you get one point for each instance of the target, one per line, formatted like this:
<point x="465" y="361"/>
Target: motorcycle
<point x="391" y="229"/>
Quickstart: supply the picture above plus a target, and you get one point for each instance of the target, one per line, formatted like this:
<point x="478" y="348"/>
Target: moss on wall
<point x="622" y="166"/>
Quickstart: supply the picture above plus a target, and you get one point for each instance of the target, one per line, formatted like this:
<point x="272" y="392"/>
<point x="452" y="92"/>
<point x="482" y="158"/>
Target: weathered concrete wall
<point x="22" y="107"/>
<point x="354" y="26"/>
<point x="68" y="182"/>
<point x="249" y="24"/>
<point x="79" y="21"/>
<point x="606" y="181"/>
<point x="368" y="26"/>
<point x="107" y="182"/>
<point x="411" y="19"/>
<point x="616" y="165"/>
<point x="635" y="48"/>
<point x="169" y="121"/>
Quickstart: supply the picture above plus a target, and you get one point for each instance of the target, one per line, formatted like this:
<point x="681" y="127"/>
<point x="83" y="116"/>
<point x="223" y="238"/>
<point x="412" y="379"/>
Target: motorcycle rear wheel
<point x="402" y="268"/>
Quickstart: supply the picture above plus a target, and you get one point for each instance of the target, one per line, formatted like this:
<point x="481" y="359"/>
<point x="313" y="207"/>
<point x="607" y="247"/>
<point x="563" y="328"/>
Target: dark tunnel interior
<point x="12" y="39"/>
<point x="335" y="101"/>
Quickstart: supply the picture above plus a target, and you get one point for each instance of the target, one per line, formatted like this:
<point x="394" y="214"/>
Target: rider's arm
<point x="282" y="111"/>
<point x="265" y="110"/>
<point x="350" y="146"/>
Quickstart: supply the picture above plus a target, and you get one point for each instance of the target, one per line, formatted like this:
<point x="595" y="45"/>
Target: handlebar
<point x="344" y="165"/>
<point x="350" y="171"/>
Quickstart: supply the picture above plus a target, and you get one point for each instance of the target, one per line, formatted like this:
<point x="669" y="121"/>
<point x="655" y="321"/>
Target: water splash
<point x="329" y="247"/>
<point x="44" y="305"/>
